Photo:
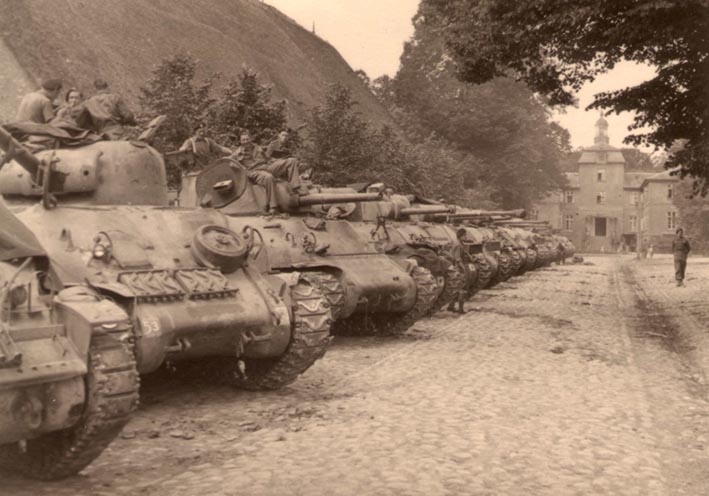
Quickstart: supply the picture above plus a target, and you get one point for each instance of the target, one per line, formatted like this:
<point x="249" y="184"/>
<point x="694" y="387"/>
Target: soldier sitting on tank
<point x="38" y="105"/>
<point x="278" y="161"/>
<point x="109" y="112"/>
<point x="203" y="149"/>
<point x="251" y="156"/>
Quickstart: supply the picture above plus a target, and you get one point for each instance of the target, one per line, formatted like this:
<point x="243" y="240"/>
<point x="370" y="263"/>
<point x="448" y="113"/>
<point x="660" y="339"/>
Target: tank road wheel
<point x="309" y="339"/>
<point x="112" y="385"/>
<point x="484" y="272"/>
<point x="332" y="290"/>
<point x="454" y="282"/>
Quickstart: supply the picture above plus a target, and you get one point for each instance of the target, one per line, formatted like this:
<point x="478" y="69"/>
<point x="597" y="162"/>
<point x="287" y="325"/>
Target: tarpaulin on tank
<point x="47" y="136"/>
<point x="16" y="240"/>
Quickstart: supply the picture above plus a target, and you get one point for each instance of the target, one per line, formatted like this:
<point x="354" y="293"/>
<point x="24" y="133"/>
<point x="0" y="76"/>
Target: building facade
<point x="606" y="208"/>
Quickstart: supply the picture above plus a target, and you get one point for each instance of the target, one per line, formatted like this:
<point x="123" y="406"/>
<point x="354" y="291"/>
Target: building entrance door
<point x="600" y="226"/>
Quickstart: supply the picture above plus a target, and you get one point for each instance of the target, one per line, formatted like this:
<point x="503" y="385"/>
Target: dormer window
<point x="669" y="191"/>
<point x="601" y="176"/>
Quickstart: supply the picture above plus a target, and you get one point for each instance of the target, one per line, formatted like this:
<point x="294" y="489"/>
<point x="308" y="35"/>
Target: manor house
<point x="604" y="207"/>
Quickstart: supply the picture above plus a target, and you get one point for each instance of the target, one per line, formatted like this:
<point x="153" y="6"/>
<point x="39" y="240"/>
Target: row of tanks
<point x="102" y="280"/>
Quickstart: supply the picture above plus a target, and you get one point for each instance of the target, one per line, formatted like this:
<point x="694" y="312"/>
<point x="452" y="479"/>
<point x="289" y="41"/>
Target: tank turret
<point x="100" y="173"/>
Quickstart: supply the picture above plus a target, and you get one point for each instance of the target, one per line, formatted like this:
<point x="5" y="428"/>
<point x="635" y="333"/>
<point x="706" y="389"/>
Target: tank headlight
<point x="100" y="251"/>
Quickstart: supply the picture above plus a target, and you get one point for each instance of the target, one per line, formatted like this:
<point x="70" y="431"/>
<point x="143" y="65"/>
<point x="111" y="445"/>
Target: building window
<point x="534" y="214"/>
<point x="635" y="198"/>
<point x="600" y="226"/>
<point x="601" y="176"/>
<point x="669" y="191"/>
<point x="601" y="198"/>
<point x="569" y="222"/>
<point x="671" y="220"/>
<point x="568" y="196"/>
<point x="633" y="223"/>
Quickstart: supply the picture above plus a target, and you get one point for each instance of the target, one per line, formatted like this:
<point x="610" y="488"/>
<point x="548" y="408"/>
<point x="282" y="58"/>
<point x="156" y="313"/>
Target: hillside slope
<point x="121" y="41"/>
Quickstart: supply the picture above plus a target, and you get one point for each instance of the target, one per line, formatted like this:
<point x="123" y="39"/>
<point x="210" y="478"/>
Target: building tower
<point x="601" y="139"/>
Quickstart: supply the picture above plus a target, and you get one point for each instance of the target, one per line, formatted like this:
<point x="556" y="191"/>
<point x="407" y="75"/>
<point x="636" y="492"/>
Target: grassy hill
<point x="121" y="41"/>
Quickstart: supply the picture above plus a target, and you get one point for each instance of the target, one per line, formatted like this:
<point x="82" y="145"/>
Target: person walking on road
<point x="680" y="249"/>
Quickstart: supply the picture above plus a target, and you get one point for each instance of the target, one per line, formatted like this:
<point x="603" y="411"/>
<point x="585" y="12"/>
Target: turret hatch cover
<point x="221" y="183"/>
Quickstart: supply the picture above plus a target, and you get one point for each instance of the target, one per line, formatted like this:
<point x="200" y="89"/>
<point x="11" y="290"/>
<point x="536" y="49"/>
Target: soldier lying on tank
<point x="109" y="112"/>
<point x="204" y="149"/>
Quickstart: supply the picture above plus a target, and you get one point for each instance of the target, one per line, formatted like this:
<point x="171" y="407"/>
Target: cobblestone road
<point x="570" y="380"/>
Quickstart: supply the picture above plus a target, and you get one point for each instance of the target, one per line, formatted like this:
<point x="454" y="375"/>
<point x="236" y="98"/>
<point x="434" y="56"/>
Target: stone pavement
<point x="554" y="384"/>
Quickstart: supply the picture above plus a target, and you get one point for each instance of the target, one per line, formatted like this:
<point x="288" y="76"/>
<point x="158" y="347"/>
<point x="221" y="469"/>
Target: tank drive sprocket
<point x="309" y="340"/>
<point x="112" y="386"/>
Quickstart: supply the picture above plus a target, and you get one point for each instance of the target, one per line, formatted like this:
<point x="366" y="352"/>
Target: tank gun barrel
<point x="427" y="210"/>
<point x="328" y="198"/>
<point x="14" y="150"/>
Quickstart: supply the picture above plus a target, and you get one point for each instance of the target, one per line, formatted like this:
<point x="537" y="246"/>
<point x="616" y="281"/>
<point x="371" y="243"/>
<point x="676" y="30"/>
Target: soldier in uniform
<point x="251" y="156"/>
<point x="281" y="162"/>
<point x="680" y="249"/>
<point x="203" y="149"/>
<point x="37" y="106"/>
<point x="108" y="111"/>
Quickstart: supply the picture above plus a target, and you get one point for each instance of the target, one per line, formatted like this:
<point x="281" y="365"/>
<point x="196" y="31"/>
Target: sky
<point x="370" y="35"/>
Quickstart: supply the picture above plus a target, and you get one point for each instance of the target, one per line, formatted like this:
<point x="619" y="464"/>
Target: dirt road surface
<point x="583" y="379"/>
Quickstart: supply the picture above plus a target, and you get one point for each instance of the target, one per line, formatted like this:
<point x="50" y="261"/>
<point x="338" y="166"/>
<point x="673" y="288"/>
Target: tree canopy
<point x="556" y="46"/>
<point x="511" y="145"/>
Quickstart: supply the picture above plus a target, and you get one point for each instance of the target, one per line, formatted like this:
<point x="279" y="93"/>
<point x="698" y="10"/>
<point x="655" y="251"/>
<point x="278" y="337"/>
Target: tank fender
<point x="84" y="313"/>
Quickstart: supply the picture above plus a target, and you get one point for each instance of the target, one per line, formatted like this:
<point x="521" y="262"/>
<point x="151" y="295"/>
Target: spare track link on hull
<point x="309" y="341"/>
<point x="453" y="284"/>
<point x="395" y="324"/>
<point x="331" y="289"/>
<point x="112" y="386"/>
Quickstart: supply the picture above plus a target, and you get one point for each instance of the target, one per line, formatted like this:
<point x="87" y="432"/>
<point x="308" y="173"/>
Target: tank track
<point x="516" y="262"/>
<point x="332" y="290"/>
<point x="484" y="272"/>
<point x="454" y="282"/>
<point x="531" y="259"/>
<point x="472" y="283"/>
<point x="505" y="268"/>
<point x="395" y="324"/>
<point x="112" y="386"/>
<point x="311" y="336"/>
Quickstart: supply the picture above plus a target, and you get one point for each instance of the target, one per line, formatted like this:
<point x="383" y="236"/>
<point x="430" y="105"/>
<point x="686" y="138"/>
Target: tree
<point x="172" y="91"/>
<point x="247" y="104"/>
<point x="513" y="148"/>
<point x="555" y="48"/>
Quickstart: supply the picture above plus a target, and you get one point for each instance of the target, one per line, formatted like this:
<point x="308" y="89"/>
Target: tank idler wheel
<point x="112" y="385"/>
<point x="309" y="340"/>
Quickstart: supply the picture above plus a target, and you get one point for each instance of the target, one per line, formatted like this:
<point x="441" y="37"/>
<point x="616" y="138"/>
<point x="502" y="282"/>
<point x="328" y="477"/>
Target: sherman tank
<point x="181" y="275"/>
<point x="68" y="376"/>
<point x="368" y="291"/>
<point x="397" y="227"/>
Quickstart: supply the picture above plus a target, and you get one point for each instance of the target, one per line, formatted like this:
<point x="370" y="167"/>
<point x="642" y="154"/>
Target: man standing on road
<point x="37" y="106"/>
<point x="680" y="249"/>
